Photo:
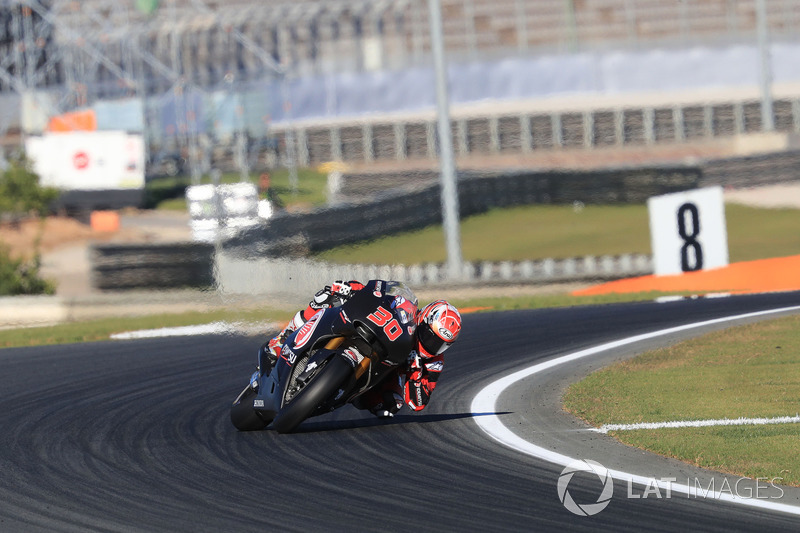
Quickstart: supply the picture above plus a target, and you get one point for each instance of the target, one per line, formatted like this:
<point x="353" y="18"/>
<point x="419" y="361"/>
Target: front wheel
<point x="323" y="386"/>
<point x="243" y="414"/>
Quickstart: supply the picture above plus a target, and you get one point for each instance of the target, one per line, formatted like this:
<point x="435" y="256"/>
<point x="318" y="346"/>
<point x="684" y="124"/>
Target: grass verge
<point x="542" y="231"/>
<point x="752" y="451"/>
<point x="169" y="193"/>
<point x="99" y="330"/>
<point x="746" y="371"/>
<point x="549" y="301"/>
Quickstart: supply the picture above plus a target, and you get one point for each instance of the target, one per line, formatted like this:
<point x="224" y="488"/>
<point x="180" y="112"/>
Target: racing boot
<point x="270" y="350"/>
<point x="383" y="404"/>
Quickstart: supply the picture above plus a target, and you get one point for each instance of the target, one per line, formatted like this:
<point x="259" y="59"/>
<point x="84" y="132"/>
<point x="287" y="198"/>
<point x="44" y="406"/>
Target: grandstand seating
<point x="197" y="38"/>
<point x="210" y="43"/>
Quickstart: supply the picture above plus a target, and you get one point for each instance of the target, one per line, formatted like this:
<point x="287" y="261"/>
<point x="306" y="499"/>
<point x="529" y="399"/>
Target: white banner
<point x="222" y="209"/>
<point x="687" y="231"/>
<point x="88" y="160"/>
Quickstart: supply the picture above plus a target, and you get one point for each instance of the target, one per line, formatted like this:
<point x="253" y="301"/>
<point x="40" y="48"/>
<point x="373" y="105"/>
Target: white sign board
<point x="88" y="160"/>
<point x="687" y="231"/>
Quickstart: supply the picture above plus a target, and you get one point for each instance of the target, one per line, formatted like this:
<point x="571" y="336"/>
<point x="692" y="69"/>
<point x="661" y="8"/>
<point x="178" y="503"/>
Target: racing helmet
<point x="438" y="326"/>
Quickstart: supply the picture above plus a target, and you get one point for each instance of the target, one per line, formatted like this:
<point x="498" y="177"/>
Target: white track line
<point x="204" y="329"/>
<point x="484" y="405"/>
<point x="668" y="299"/>
<point x="605" y="428"/>
<point x="214" y="328"/>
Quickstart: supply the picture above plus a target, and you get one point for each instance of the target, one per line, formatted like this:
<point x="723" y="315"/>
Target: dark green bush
<point x="21" y="196"/>
<point x="21" y="277"/>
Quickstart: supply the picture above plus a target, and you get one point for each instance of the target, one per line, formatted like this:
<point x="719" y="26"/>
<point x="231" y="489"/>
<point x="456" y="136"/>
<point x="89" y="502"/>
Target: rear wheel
<point x="322" y="386"/>
<point x="243" y="413"/>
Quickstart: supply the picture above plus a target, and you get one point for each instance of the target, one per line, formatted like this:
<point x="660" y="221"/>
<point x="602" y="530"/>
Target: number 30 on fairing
<point x="687" y="231"/>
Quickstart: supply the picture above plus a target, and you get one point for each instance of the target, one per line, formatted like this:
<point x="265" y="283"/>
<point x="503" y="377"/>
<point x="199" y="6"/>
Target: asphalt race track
<point x="135" y="436"/>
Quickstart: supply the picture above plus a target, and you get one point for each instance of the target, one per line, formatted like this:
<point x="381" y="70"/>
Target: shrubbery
<point x="21" y="277"/>
<point x="21" y="196"/>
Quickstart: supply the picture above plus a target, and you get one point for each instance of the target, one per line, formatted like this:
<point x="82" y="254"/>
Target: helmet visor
<point x="430" y="341"/>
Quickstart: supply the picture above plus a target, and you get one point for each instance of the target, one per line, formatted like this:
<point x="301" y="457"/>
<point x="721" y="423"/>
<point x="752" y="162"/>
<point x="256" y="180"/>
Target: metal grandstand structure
<point x="62" y="55"/>
<point x="152" y="43"/>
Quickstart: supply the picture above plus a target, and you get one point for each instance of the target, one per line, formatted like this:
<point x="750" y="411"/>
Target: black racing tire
<point x="243" y="415"/>
<point x="331" y="377"/>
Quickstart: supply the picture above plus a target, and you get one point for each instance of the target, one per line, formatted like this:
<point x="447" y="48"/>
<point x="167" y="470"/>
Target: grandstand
<point x="66" y="54"/>
<point x="203" y="40"/>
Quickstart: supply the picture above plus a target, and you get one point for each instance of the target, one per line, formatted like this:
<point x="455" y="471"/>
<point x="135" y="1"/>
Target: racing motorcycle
<point x="335" y="357"/>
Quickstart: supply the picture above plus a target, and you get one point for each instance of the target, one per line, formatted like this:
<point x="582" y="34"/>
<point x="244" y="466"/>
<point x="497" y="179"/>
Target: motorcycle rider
<point x="438" y="326"/>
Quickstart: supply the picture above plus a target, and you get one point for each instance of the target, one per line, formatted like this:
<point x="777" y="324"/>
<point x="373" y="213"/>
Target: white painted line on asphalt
<point x="668" y="299"/>
<point x="214" y="328"/>
<point x="484" y="405"/>
<point x="605" y="428"/>
<point x="203" y="329"/>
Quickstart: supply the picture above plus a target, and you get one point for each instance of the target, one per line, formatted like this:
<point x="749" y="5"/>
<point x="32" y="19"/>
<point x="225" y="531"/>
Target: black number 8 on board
<point x="689" y="230"/>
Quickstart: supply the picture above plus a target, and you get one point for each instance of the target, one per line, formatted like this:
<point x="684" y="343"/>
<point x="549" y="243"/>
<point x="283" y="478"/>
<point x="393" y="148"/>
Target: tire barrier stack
<point x="753" y="170"/>
<point x="152" y="266"/>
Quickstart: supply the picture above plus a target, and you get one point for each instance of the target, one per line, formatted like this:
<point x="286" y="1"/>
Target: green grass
<point x="525" y="232"/>
<point x="549" y="301"/>
<point x="756" y="233"/>
<point x="542" y="231"/>
<point x="747" y="371"/>
<point x="97" y="330"/>
<point x="173" y="204"/>
<point x="752" y="451"/>
<point x="168" y="193"/>
<point x="311" y="189"/>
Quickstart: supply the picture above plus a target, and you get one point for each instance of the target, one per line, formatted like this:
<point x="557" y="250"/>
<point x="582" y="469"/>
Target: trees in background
<point x="22" y="197"/>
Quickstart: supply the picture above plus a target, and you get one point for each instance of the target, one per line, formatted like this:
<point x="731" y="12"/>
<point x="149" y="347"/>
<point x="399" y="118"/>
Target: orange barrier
<point x="465" y="310"/>
<point x="74" y="121"/>
<point x="763" y="275"/>
<point x="105" y="221"/>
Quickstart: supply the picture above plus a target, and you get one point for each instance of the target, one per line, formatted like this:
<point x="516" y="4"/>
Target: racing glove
<point x="343" y="289"/>
<point x="414" y="368"/>
<point x="334" y="294"/>
<point x="322" y="299"/>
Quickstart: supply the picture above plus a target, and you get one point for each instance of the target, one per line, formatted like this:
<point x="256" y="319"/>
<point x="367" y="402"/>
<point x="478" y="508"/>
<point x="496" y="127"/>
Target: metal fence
<point x="64" y="55"/>
<point x="203" y="40"/>
<point x="100" y="49"/>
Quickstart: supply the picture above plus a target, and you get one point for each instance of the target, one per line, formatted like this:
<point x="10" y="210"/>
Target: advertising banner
<point x="88" y="160"/>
